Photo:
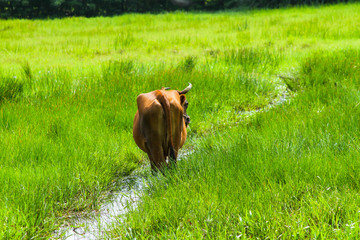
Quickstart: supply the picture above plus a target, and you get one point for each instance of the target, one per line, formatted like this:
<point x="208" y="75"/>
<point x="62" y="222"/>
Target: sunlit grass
<point x="291" y="172"/>
<point x="68" y="43"/>
<point x="65" y="141"/>
<point x="67" y="93"/>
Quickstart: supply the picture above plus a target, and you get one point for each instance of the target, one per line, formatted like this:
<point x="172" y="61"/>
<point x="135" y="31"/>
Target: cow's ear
<point x="182" y="99"/>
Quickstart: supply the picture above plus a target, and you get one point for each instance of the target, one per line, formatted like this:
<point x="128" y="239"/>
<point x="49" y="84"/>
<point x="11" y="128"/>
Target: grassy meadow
<point x="68" y="92"/>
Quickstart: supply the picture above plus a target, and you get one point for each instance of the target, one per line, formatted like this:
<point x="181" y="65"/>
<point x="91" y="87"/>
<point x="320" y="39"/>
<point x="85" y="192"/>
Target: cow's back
<point x="149" y="122"/>
<point x="159" y="126"/>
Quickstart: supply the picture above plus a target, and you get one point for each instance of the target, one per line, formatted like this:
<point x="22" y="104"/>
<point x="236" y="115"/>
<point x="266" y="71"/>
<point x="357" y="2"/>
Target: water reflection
<point x="121" y="201"/>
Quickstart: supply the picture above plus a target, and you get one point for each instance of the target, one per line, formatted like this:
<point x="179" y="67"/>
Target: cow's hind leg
<point x="172" y="157"/>
<point x="157" y="159"/>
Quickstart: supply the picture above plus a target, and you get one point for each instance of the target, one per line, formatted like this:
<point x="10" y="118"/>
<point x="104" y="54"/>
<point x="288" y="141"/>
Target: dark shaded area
<point x="10" y="89"/>
<point x="91" y="8"/>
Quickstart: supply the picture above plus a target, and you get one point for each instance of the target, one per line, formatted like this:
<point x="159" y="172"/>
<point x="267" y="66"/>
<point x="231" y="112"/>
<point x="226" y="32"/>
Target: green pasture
<point x="291" y="172"/>
<point x="68" y="92"/>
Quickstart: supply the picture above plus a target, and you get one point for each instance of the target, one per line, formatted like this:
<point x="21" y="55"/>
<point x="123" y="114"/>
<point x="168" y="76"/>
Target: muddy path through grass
<point x="126" y="198"/>
<point x="129" y="193"/>
<point x="94" y="224"/>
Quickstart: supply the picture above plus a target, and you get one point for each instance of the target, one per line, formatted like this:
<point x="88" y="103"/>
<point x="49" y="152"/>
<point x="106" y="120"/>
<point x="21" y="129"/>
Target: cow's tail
<point x="166" y="106"/>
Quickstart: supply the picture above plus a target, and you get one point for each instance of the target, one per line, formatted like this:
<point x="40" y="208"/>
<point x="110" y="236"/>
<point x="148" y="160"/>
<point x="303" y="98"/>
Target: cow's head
<point x="184" y="103"/>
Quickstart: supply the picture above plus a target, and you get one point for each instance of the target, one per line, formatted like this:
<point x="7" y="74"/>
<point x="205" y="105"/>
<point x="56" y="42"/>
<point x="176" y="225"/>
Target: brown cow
<point x="160" y="124"/>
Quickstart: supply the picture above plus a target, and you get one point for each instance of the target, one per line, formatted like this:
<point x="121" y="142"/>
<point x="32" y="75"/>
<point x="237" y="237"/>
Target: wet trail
<point x="128" y="197"/>
<point x="120" y="202"/>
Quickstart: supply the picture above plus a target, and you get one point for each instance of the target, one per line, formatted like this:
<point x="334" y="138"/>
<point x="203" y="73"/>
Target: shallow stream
<point x="127" y="198"/>
<point x="120" y="202"/>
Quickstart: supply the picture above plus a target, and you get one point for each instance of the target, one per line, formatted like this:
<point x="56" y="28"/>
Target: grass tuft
<point x="26" y="69"/>
<point x="10" y="89"/>
<point x="188" y="64"/>
<point x="251" y="59"/>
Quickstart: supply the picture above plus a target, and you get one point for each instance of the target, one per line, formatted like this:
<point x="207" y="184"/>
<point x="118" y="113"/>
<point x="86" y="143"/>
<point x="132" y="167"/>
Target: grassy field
<point x="291" y="172"/>
<point x="68" y="96"/>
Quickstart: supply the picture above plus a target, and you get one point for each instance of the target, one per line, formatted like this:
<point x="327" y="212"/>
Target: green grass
<point x="68" y="97"/>
<point x="292" y="172"/>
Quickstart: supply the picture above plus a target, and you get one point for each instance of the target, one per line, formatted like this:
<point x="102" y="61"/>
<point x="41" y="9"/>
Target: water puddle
<point x="121" y="201"/>
<point x="281" y="99"/>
